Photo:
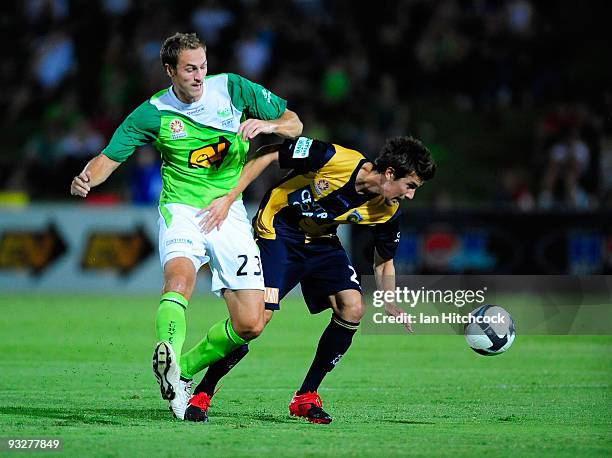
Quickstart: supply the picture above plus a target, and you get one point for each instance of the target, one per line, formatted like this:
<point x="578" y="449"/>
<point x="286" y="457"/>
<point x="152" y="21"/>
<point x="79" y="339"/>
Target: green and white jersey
<point x="202" y="156"/>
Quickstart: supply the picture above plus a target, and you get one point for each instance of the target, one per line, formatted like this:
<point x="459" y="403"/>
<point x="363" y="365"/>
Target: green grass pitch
<point x="78" y="368"/>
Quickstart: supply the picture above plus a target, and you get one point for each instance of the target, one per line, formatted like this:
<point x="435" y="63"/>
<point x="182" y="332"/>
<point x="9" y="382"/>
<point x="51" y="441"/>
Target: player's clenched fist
<point x="80" y="184"/>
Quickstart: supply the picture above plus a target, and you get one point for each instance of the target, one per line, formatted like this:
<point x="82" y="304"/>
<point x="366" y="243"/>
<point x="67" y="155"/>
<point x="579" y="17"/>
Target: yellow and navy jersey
<point x="319" y="194"/>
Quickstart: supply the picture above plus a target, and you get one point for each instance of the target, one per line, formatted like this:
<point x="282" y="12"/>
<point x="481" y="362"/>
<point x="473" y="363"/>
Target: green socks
<point x="170" y="326"/>
<point x="170" y="322"/>
<point x="220" y="340"/>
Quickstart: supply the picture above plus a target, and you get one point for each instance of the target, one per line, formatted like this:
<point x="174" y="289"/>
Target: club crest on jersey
<point x="321" y="186"/>
<point x="178" y="129"/>
<point x="224" y="112"/>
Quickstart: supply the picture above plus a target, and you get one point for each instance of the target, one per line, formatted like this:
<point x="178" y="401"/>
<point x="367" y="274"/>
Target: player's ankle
<point x="301" y="391"/>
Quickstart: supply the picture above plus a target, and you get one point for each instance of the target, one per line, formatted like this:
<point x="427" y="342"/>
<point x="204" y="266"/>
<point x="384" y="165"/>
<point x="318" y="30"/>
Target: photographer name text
<point x="443" y="318"/>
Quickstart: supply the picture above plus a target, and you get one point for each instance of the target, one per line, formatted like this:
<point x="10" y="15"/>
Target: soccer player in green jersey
<point x="201" y="125"/>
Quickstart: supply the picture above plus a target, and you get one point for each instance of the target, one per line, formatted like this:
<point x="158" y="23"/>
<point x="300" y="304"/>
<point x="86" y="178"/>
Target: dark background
<point x="513" y="98"/>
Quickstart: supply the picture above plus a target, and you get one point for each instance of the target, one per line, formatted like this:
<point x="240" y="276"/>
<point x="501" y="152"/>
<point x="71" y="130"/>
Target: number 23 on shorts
<point x="244" y="269"/>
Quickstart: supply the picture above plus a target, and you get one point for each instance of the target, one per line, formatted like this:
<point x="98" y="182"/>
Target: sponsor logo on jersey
<point x="181" y="241"/>
<point x="308" y="206"/>
<point x="302" y="148"/>
<point x="178" y="129"/>
<point x="321" y="186"/>
<point x="209" y="155"/>
<point x="266" y="95"/>
<point x="354" y="217"/>
<point x="343" y="201"/>
<point x="196" y="111"/>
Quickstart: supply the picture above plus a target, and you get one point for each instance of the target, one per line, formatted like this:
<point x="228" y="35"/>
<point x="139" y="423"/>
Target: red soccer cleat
<point x="309" y="406"/>
<point x="197" y="409"/>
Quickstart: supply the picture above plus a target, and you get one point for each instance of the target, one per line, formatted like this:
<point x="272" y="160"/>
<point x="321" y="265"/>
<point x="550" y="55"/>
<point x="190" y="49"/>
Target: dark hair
<point x="406" y="155"/>
<point x="173" y="45"/>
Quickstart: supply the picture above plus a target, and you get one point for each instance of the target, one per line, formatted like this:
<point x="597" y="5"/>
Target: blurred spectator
<point x="43" y="11"/>
<point x="473" y="69"/>
<point x="81" y="143"/>
<point x="210" y="20"/>
<point x="254" y="52"/>
<point x="513" y="191"/>
<point x="568" y="163"/>
<point x="34" y="173"/>
<point x="606" y="171"/>
<point x="74" y="149"/>
<point x="116" y="7"/>
<point x="520" y="17"/>
<point x="335" y="84"/>
<point x="53" y="59"/>
<point x="144" y="178"/>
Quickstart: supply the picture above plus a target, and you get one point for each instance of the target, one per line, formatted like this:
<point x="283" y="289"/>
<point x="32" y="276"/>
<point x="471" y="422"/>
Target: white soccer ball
<point x="490" y="330"/>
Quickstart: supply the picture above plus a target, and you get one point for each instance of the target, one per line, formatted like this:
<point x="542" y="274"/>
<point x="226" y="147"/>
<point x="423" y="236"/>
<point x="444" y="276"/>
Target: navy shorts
<point x="322" y="268"/>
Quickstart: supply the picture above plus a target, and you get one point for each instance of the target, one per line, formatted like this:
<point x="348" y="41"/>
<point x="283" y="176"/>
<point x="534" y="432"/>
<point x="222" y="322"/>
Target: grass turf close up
<point x="78" y="368"/>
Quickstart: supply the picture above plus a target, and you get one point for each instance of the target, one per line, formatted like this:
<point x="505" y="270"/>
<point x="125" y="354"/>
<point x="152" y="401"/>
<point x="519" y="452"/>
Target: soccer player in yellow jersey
<point x="295" y="228"/>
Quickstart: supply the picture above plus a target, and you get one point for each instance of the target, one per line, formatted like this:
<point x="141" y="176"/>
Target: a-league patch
<point x="178" y="129"/>
<point x="321" y="186"/>
<point x="302" y="148"/>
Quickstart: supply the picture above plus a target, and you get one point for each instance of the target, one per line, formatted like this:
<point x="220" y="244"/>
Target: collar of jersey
<point x="187" y="106"/>
<point x="365" y="195"/>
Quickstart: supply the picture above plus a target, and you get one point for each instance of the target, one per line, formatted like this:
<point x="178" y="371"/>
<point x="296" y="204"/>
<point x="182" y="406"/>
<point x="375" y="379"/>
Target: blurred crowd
<point x="512" y="96"/>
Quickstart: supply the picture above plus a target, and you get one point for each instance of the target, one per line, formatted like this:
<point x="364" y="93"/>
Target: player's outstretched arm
<point x="287" y="126"/>
<point x="216" y="212"/>
<point x="95" y="172"/>
<point x="384" y="274"/>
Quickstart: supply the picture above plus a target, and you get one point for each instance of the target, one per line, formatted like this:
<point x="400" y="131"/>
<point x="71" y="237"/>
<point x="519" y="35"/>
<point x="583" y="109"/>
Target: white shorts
<point x="233" y="254"/>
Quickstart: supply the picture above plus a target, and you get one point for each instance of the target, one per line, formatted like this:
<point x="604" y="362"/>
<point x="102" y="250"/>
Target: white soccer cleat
<point x="166" y="370"/>
<point x="178" y="405"/>
<point x="187" y="387"/>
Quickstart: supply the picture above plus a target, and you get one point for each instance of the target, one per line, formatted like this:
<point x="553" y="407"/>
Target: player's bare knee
<point x="251" y="329"/>
<point x="247" y="312"/>
<point x="352" y="310"/>
<point x="179" y="277"/>
<point x="357" y="310"/>
<point x="249" y="326"/>
<point x="257" y="329"/>
<point x="179" y="284"/>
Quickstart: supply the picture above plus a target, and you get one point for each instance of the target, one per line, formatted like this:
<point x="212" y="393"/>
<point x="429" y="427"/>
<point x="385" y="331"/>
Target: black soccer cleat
<point x="318" y="415"/>
<point x="196" y="414"/>
<point x="197" y="409"/>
